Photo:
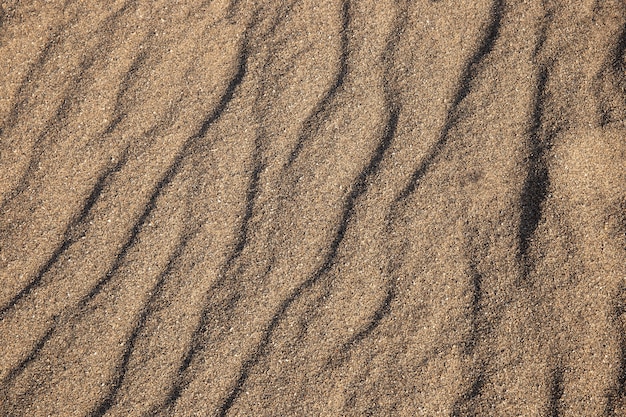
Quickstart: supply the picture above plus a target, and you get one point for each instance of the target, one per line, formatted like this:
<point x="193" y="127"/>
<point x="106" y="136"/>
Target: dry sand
<point x="294" y="208"/>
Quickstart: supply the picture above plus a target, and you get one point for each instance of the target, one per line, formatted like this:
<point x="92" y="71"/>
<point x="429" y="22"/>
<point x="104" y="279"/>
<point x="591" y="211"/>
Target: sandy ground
<point x="302" y="208"/>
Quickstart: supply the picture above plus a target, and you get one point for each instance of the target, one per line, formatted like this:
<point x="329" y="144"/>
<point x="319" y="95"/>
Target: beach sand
<point x="303" y="208"/>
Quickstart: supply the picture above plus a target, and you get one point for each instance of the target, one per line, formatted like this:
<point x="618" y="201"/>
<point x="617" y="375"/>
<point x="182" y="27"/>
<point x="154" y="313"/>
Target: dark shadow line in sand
<point x="179" y="386"/>
<point x="228" y="94"/>
<point x="138" y="61"/>
<point x="477" y="295"/>
<point x="480" y="330"/>
<point x="618" y="61"/>
<point x="278" y="46"/>
<point x="197" y="341"/>
<point x="462" y="406"/>
<point x="280" y="18"/>
<point x="325" y="106"/>
<point x="110" y="399"/>
<point x="393" y="107"/>
<point x="618" y="392"/>
<point x="68" y="235"/>
<point x="535" y="188"/>
<point x="125" y="84"/>
<point x="169" y="175"/>
<point x="196" y="344"/>
<point x="42" y="59"/>
<point x="464" y="87"/>
<point x="166" y="179"/>
<point x="134" y="233"/>
<point x="359" y="188"/>
<point x="38" y="149"/>
<point x="384" y="308"/>
<point x="34" y="353"/>
<point x="62" y="110"/>
<point x="232" y="9"/>
<point x="251" y="197"/>
<point x="241" y="241"/>
<point x="91" y="200"/>
<point x="556" y="391"/>
<point x="197" y="338"/>
<point x="120" y="112"/>
<point x="615" y="69"/>
<point x="546" y="22"/>
<point x="381" y="312"/>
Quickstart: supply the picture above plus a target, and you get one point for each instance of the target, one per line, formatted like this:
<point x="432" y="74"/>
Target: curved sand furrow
<point x="305" y="208"/>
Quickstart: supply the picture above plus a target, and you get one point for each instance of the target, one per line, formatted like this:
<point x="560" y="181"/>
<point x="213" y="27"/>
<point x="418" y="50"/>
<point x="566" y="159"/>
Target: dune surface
<point x="302" y="208"/>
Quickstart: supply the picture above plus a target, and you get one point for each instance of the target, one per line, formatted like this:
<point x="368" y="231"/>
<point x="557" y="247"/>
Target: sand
<point x="302" y="208"/>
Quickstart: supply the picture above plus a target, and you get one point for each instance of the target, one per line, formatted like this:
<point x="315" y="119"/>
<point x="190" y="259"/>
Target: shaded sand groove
<point x="313" y="208"/>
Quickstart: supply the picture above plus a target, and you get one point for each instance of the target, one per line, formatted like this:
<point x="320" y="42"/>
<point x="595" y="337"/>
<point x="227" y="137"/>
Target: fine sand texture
<point x="313" y="208"/>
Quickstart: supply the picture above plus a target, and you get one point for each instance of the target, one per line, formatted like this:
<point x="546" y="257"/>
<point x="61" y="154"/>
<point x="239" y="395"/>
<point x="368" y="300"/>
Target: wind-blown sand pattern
<point x="290" y="208"/>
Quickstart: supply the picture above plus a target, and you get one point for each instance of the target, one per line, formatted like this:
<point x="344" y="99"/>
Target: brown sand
<point x="290" y="208"/>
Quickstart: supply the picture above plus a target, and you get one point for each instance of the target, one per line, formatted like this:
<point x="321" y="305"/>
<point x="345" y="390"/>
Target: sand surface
<point x="302" y="208"/>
